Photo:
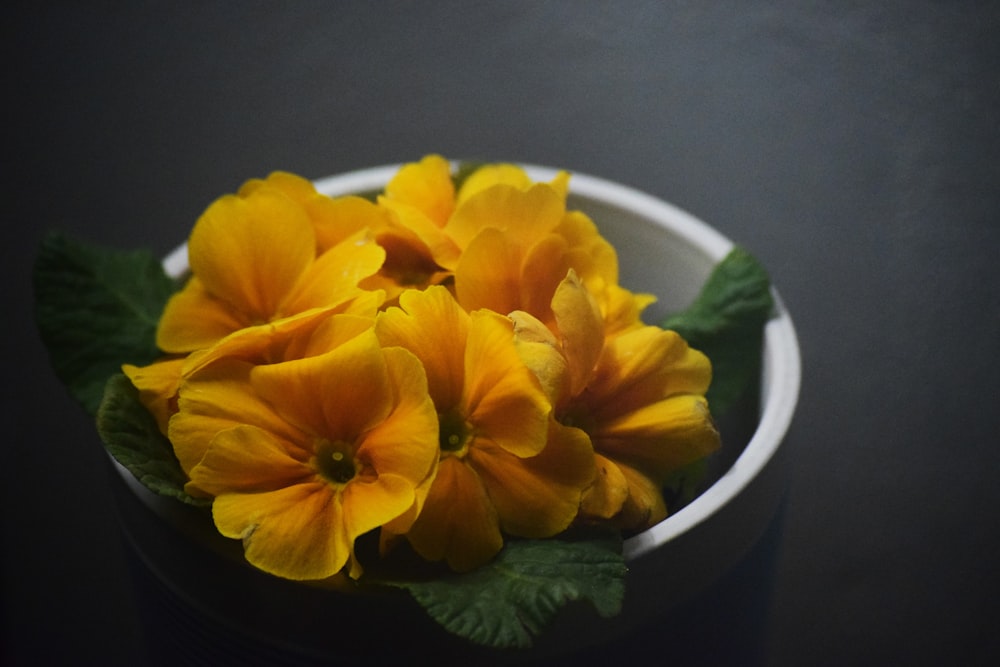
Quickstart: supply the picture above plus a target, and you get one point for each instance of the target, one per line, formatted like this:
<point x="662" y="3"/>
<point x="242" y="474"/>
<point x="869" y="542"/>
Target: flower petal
<point x="426" y="186"/>
<point x="337" y="219"/>
<point x="406" y="442"/>
<point x="540" y="351"/>
<point x="526" y="214"/>
<point x="644" y="506"/>
<point x="322" y="394"/>
<point x="537" y="496"/>
<point x="660" y="437"/>
<point x="458" y="523"/>
<point x="370" y="504"/>
<point x="581" y="330"/>
<point x="643" y="366"/>
<point x="333" y="278"/>
<point x="431" y="325"/>
<point x="215" y="399"/>
<point x="488" y="275"/>
<point x="194" y="319"/>
<point x="503" y="400"/>
<point x="588" y="252"/>
<point x="247" y="459"/>
<point x="608" y="493"/>
<point x="157" y="384"/>
<point x="250" y="252"/>
<point x="296" y="532"/>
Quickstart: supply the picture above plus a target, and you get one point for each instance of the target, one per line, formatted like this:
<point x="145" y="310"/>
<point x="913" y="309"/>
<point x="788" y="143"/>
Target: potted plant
<point x="424" y="404"/>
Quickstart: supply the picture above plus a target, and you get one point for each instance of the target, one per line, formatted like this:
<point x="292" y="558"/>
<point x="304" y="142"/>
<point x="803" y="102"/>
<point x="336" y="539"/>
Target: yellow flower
<point x="302" y="458"/>
<point x="638" y="394"/>
<point x="506" y="466"/>
<point x="333" y="220"/>
<point x="253" y="260"/>
<point x="519" y="243"/>
<point x="305" y="334"/>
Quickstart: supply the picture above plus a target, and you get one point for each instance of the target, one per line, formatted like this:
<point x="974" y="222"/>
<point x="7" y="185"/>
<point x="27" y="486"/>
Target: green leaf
<point x="131" y="435"/>
<point x="97" y="308"/>
<point x="726" y="322"/>
<point x="508" y="602"/>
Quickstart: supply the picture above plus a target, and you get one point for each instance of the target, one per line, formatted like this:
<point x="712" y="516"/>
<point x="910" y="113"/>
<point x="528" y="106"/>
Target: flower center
<point x="334" y="461"/>
<point x="454" y="434"/>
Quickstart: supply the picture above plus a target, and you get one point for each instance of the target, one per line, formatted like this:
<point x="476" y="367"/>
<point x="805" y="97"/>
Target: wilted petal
<point x="540" y="351"/>
<point x="580" y="330"/>
<point x="502" y="399"/>
<point x="645" y="505"/>
<point x="608" y="493"/>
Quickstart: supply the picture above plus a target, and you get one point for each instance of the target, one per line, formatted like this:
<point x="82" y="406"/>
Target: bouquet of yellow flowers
<point x="446" y="372"/>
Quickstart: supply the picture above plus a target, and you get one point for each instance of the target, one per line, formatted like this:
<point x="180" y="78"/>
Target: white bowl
<point x="667" y="252"/>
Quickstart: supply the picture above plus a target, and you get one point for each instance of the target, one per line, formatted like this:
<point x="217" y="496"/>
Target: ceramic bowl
<point x="191" y="581"/>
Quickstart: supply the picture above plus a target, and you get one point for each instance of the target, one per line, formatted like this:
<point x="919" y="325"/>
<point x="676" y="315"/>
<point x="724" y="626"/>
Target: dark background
<point x="853" y="147"/>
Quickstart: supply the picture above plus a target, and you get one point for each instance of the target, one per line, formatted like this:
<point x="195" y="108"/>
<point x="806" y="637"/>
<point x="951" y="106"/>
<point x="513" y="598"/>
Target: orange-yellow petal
<point x="644" y="506"/>
<point x="215" y="399"/>
<point x="581" y="330"/>
<point x="157" y="384"/>
<point x="337" y="219"/>
<point x="589" y="253"/>
<point x="334" y="277"/>
<point x="296" y="532"/>
<point x="660" y="437"/>
<point x="427" y="186"/>
<point x="432" y="326"/>
<point x="502" y="399"/>
<point x="194" y="319"/>
<point x="541" y="352"/>
<point x="488" y="275"/>
<point x="507" y="174"/>
<point x="405" y="443"/>
<point x="458" y="523"/>
<point x="248" y="459"/>
<point x="526" y="214"/>
<point x="537" y="496"/>
<point x="489" y="175"/>
<point x="250" y="252"/>
<point x="324" y="394"/>
<point x="608" y="493"/>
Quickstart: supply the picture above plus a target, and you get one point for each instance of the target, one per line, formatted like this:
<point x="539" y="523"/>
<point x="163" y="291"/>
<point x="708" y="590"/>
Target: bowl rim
<point x="781" y="367"/>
